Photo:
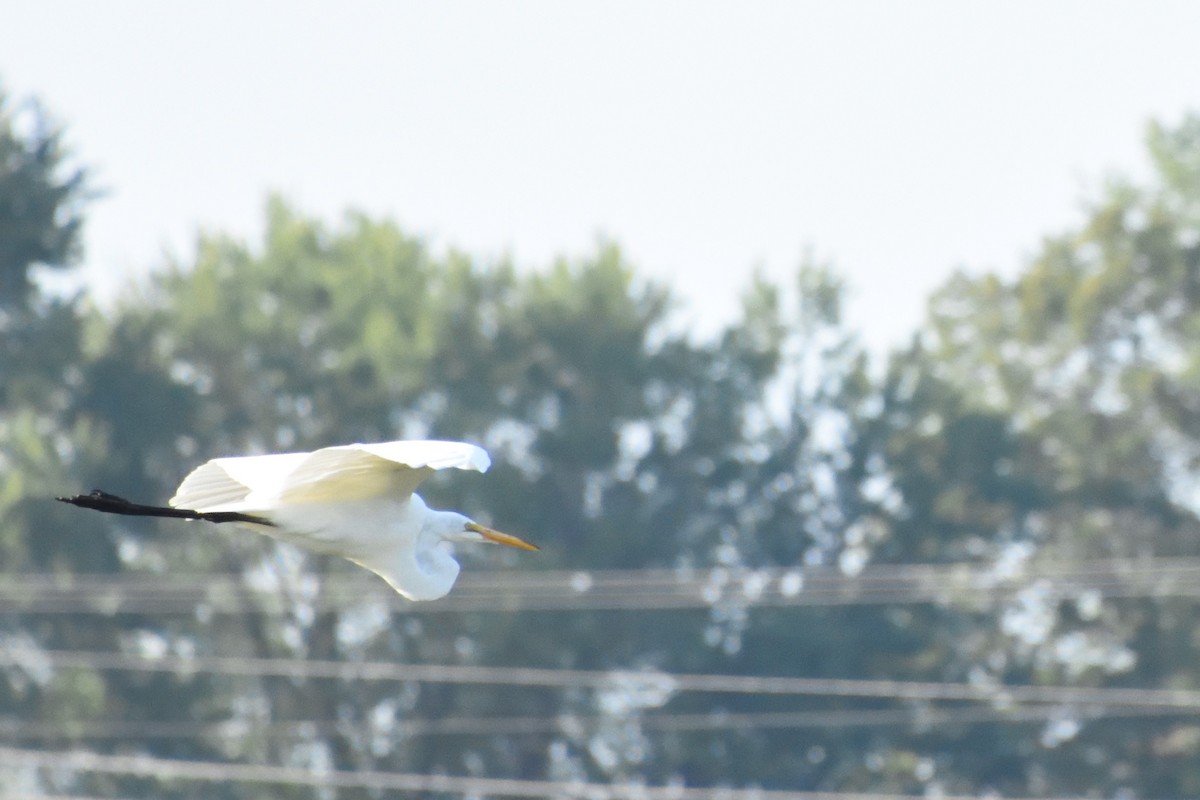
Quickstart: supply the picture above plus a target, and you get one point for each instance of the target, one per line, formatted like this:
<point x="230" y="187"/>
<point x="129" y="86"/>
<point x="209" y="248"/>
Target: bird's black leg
<point x="111" y="504"/>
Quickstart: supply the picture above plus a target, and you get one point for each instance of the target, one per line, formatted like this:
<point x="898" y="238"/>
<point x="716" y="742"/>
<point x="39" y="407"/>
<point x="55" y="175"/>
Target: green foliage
<point x="1086" y="363"/>
<point x="1035" y="421"/>
<point x="43" y="444"/>
<point x="40" y="201"/>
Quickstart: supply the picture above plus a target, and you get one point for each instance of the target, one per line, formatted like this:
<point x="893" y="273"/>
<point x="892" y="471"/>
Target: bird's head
<point x="453" y="527"/>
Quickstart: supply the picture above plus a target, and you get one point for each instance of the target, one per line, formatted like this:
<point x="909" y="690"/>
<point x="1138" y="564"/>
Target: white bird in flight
<point x="356" y="501"/>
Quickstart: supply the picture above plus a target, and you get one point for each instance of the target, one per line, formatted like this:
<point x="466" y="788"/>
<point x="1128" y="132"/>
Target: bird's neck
<point x="418" y="566"/>
<point x="427" y="577"/>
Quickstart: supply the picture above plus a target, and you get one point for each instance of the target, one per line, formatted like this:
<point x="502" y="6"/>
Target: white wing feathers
<point x="224" y="484"/>
<point x="346" y="472"/>
<point x="420" y="453"/>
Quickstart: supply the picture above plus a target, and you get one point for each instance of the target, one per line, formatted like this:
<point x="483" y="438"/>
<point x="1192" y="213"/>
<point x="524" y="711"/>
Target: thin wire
<point x="921" y="718"/>
<point x="668" y="683"/>
<point x="626" y="590"/>
<point x="179" y="769"/>
<point x="547" y="579"/>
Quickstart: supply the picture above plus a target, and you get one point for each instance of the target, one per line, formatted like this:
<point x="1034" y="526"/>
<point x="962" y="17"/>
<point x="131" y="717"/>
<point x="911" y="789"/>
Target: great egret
<point x="356" y="501"/>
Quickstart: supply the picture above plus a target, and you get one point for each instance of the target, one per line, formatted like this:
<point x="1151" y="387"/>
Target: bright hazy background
<point x="709" y="139"/>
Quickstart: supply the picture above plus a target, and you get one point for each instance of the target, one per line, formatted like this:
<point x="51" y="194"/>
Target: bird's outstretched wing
<point x="393" y="469"/>
<point x="345" y="472"/>
<point x="225" y="484"/>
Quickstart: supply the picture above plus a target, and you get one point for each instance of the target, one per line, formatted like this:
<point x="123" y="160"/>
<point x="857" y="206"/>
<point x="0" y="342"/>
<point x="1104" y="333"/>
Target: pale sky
<point x="898" y="140"/>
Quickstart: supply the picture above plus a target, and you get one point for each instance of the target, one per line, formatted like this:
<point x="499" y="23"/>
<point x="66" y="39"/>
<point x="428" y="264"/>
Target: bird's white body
<point x="388" y="536"/>
<point x="355" y="501"/>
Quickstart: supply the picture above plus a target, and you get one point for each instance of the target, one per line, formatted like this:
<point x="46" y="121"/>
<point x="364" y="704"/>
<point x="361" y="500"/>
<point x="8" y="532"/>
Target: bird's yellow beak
<point x="500" y="538"/>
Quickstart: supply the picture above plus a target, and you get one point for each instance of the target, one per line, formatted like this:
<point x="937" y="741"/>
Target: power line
<point x="657" y="576"/>
<point x="667" y="683"/>
<point x="922" y="718"/>
<point x="204" y="771"/>
<point x="641" y="590"/>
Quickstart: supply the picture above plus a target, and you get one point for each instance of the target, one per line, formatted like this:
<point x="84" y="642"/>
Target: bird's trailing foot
<point x="98" y="500"/>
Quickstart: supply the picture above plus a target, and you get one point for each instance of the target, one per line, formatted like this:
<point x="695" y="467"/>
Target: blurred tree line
<point x="1048" y="419"/>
